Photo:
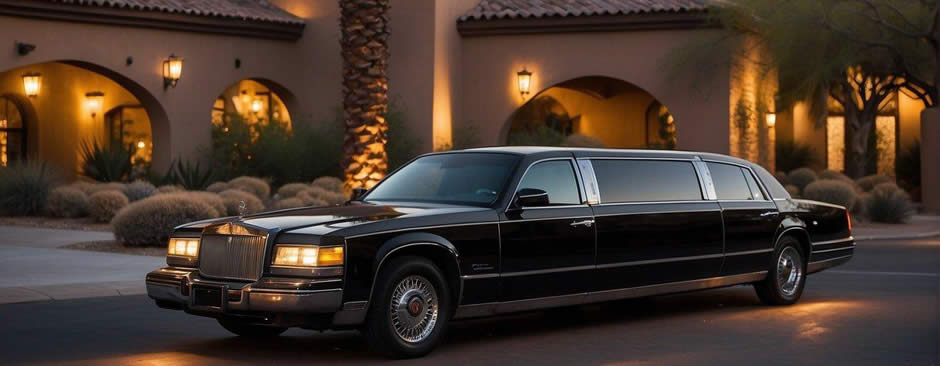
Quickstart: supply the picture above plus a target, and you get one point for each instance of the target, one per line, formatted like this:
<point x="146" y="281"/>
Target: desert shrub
<point x="331" y="184"/>
<point x="801" y="177"/>
<point x="833" y="175"/>
<point x="579" y="140"/>
<point x="290" y="190"/>
<point x="869" y="182"/>
<point x="169" y="188"/>
<point x="256" y="186"/>
<point x="831" y="191"/>
<point x="212" y="199"/>
<point x="309" y="200"/>
<point x="907" y="169"/>
<point x="67" y="202"/>
<point x="103" y="205"/>
<point x="232" y="198"/>
<point x="86" y="187"/>
<point x="290" y="203"/>
<point x="888" y="203"/>
<point x="217" y="187"/>
<point x="112" y="186"/>
<point x="24" y="187"/>
<point x="782" y="178"/>
<point x="331" y="198"/>
<point x="150" y="221"/>
<point x="138" y="190"/>
<point x="793" y="190"/>
<point x="792" y="155"/>
<point x="110" y="163"/>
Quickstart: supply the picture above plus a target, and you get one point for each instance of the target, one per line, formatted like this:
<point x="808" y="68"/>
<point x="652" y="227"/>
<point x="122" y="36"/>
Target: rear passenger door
<point x="653" y="224"/>
<point x="750" y="218"/>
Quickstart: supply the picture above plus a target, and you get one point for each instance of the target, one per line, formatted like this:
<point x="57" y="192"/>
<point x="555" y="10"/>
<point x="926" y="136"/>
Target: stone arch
<point x="595" y="104"/>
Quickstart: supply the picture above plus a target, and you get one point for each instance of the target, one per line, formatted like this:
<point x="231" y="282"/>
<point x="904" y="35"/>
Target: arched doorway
<point x="13" y="135"/>
<point x="594" y="111"/>
<point x="78" y="103"/>
<point x="253" y="101"/>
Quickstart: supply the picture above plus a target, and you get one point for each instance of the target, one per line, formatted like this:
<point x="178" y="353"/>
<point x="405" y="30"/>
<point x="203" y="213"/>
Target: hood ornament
<point x="242" y="207"/>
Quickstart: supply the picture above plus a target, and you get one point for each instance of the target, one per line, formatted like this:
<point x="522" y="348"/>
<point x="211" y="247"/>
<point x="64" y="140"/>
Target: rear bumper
<point x="174" y="288"/>
<point x="828" y="254"/>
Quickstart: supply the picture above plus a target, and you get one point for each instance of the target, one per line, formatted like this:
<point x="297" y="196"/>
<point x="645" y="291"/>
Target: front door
<point x="547" y="251"/>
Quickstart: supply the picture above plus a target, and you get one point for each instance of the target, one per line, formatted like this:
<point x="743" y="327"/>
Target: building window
<point x="884" y="141"/>
<point x="12" y="132"/>
<point x="660" y="127"/>
<point x="129" y="127"/>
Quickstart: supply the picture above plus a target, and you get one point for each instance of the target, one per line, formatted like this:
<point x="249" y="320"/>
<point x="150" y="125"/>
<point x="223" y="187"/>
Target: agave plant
<point x="191" y="176"/>
<point x="24" y="187"/>
<point x="110" y="163"/>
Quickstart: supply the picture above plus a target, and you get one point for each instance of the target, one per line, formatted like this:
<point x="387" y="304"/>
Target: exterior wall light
<point x="172" y="70"/>
<point x="771" y="120"/>
<point x="524" y="79"/>
<point x="94" y="100"/>
<point x="32" y="83"/>
<point x="257" y="105"/>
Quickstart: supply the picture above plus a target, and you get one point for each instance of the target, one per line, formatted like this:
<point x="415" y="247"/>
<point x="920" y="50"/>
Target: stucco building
<point x="599" y="68"/>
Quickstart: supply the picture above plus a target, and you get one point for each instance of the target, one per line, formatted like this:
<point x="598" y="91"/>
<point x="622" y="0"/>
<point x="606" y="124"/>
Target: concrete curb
<point x="13" y="295"/>
<point x="928" y="234"/>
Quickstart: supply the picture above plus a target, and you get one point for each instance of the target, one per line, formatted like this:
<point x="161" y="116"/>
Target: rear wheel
<point x="787" y="275"/>
<point x="409" y="309"/>
<point x="248" y="330"/>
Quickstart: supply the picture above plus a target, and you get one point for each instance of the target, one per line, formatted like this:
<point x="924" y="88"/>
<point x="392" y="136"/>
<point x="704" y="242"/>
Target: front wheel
<point x="249" y="330"/>
<point x="409" y="309"/>
<point x="787" y="275"/>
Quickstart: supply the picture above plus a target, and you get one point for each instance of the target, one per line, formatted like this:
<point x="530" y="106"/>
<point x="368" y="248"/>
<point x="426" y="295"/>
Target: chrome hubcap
<point x="414" y="309"/>
<point x="789" y="271"/>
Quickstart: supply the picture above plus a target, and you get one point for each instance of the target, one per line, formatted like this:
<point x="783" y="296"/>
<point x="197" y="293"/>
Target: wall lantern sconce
<point x="94" y="100"/>
<point x="32" y="83"/>
<point x="524" y="79"/>
<point x="172" y="70"/>
<point x="771" y="120"/>
<point x="257" y="105"/>
<point x="23" y="48"/>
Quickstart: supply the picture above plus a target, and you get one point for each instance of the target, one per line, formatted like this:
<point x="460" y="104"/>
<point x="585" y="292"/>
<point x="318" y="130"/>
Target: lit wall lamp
<point x="524" y="78"/>
<point x="94" y="100"/>
<point x="771" y="120"/>
<point x="257" y="104"/>
<point x="32" y="82"/>
<point x="172" y="70"/>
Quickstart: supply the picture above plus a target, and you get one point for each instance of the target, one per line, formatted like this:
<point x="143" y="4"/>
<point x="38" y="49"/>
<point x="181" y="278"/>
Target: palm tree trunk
<point x="364" y="42"/>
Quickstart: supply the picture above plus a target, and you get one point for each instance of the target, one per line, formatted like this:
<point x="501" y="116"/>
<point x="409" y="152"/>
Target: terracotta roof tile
<point x="253" y="10"/>
<point x="506" y="9"/>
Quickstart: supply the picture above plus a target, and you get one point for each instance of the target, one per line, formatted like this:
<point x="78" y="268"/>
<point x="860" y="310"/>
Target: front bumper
<point x="176" y="288"/>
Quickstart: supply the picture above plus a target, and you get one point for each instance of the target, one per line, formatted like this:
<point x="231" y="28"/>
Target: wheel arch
<point x="800" y="233"/>
<point x="435" y="248"/>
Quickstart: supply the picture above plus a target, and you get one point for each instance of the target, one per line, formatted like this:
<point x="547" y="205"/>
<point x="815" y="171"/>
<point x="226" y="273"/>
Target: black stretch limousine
<point x="496" y="230"/>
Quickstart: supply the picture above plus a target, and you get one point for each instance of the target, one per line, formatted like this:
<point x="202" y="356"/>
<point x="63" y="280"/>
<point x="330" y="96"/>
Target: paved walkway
<point x="920" y="226"/>
<point x="32" y="269"/>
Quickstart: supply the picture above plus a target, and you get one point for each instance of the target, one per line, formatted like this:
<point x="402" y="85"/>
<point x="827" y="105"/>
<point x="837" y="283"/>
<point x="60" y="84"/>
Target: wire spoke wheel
<point x="414" y="309"/>
<point x="789" y="271"/>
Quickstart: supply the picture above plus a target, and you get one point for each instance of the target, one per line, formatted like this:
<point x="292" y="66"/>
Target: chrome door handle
<point x="771" y="213"/>
<point x="586" y="223"/>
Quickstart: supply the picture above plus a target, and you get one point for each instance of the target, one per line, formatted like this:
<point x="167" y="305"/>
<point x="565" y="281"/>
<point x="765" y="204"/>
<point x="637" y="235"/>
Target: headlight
<point x="183" y="247"/>
<point x="307" y="256"/>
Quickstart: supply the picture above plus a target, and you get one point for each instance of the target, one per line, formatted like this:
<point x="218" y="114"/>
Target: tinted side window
<point x="729" y="182"/>
<point x="752" y="184"/>
<point x="555" y="177"/>
<point x="646" y="180"/>
<point x="774" y="187"/>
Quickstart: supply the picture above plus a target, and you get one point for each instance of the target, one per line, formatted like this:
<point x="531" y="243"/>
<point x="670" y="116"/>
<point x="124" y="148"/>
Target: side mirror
<point x="358" y="193"/>
<point x="531" y="197"/>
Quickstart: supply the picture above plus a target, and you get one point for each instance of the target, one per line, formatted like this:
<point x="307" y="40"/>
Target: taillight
<point x="848" y="217"/>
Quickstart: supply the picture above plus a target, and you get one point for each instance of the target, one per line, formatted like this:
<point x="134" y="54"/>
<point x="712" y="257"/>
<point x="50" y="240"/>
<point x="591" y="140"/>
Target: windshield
<point x="461" y="178"/>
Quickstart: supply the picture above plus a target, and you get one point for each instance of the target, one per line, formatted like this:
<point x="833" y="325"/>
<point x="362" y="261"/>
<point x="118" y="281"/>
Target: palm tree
<point x="364" y="42"/>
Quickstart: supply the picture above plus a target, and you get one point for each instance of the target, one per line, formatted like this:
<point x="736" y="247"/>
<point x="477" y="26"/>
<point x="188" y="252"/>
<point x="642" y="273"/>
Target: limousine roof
<point x="594" y="152"/>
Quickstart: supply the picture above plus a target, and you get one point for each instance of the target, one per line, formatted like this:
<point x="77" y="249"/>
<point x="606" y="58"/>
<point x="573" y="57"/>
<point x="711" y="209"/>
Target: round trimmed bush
<point x="86" y="187"/>
<point x="217" y="187"/>
<point x="793" y="190"/>
<point x="212" y="199"/>
<point x="320" y="194"/>
<point x="833" y="175"/>
<point x="869" y="182"/>
<point x="67" y="202"/>
<point x="103" y="205"/>
<point x="889" y="204"/>
<point x="139" y="190"/>
<point x="110" y="186"/>
<point x="256" y="186"/>
<point x="579" y="140"/>
<point x="801" y="177"/>
<point x="831" y="191"/>
<point x="150" y="221"/>
<point x="291" y="190"/>
<point x="331" y="184"/>
<point x="308" y="200"/>
<point x="290" y="203"/>
<point x="233" y="198"/>
<point x="170" y="188"/>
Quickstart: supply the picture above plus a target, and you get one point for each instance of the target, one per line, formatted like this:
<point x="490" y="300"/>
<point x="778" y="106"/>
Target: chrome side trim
<point x="548" y="218"/>
<point x="747" y="252"/>
<point x="660" y="212"/>
<point x="705" y="180"/>
<point x="494" y="222"/>
<point x="480" y="276"/>
<point x="834" y="249"/>
<point x="589" y="181"/>
<point x="649" y="202"/>
<point x="492" y="308"/>
<point x="833" y="241"/>
<point x="546" y="271"/>
<point x="657" y="261"/>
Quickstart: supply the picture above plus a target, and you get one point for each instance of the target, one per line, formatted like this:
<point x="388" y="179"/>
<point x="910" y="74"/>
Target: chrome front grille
<point x="236" y="257"/>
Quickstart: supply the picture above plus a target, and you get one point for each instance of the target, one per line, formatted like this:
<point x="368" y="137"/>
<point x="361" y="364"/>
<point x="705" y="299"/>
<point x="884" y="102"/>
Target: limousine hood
<point x="355" y="218"/>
